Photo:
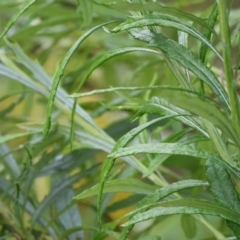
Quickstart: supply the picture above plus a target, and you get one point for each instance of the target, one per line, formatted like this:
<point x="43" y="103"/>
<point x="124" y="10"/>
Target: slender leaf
<point x="207" y="33"/>
<point x="196" y="106"/>
<point x="165" y="21"/>
<point x="150" y="6"/>
<point x="119" y="185"/>
<point x="185" y="57"/>
<point x="53" y="195"/>
<point x="170" y="189"/>
<point x="162" y="106"/>
<point x="10" y="137"/>
<point x="16" y="16"/>
<point x="59" y="73"/>
<point x="173" y="149"/>
<point x="222" y="186"/>
<point x="184" y="206"/>
<point x="108" y="164"/>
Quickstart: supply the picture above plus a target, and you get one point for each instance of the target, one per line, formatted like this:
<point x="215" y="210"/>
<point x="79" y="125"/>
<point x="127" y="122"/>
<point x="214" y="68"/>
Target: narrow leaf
<point x="164" y="20"/>
<point x="170" y="189"/>
<point x="16" y="16"/>
<point x="119" y="185"/>
<point x="59" y="74"/>
<point x="173" y="149"/>
<point x="183" y="56"/>
<point x="185" y="206"/>
<point x="222" y="186"/>
<point x="108" y="164"/>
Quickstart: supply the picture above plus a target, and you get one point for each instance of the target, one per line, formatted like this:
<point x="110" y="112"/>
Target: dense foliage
<point x="119" y="119"/>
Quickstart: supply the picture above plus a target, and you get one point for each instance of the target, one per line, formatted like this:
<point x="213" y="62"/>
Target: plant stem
<point x="227" y="56"/>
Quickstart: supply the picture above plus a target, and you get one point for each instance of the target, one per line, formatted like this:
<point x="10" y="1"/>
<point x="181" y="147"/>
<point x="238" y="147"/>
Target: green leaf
<point x="164" y="20"/>
<point x="59" y="73"/>
<point x="184" y="206"/>
<point x="108" y="164"/>
<point x="197" y="107"/>
<point x="16" y="16"/>
<point x="207" y="33"/>
<point x="217" y="140"/>
<point x="119" y="185"/>
<point x="152" y="7"/>
<point x="69" y="217"/>
<point x="185" y="57"/>
<point x="222" y="186"/>
<point x="173" y="149"/>
<point x="223" y="190"/>
<point x="170" y="189"/>
<point x="56" y="192"/>
<point x="117" y="89"/>
<point x="161" y="193"/>
<point x="97" y="63"/>
<point x="85" y="8"/>
<point x="188" y="225"/>
<point x="162" y="106"/>
<point x="10" y="137"/>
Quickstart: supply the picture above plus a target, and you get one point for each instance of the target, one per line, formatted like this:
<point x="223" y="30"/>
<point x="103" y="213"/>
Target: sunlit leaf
<point x="119" y="185"/>
<point x="164" y="20"/>
<point x="183" y="56"/>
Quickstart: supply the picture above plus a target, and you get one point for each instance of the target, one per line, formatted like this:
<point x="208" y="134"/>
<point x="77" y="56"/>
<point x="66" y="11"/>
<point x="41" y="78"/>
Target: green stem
<point x="227" y="55"/>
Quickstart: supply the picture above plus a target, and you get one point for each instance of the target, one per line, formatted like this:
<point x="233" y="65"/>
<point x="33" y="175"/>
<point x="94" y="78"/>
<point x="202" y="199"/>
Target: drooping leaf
<point x="183" y="56"/>
<point x="162" y="106"/>
<point x="97" y="63"/>
<point x="59" y="73"/>
<point x="152" y="7"/>
<point x="16" y="16"/>
<point x="194" y="105"/>
<point x="165" y="21"/>
<point x="207" y="33"/>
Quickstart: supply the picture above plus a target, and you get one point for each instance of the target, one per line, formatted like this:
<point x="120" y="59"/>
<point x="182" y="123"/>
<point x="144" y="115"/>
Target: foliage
<point x="136" y="133"/>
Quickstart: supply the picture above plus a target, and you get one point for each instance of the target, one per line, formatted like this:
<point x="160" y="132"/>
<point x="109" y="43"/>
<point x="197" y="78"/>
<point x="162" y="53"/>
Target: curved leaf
<point x="162" y="106"/>
<point x="195" y="106"/>
<point x="185" y="206"/>
<point x="16" y="16"/>
<point x="183" y="56"/>
<point x="119" y="185"/>
<point x="152" y="7"/>
<point x="96" y="64"/>
<point x="59" y="73"/>
<point x="173" y="149"/>
<point x="165" y="21"/>
<point x="170" y="189"/>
